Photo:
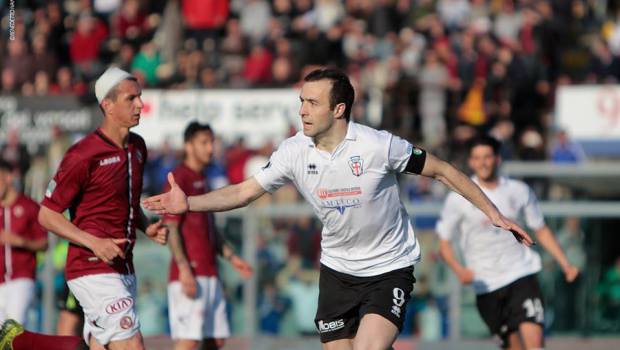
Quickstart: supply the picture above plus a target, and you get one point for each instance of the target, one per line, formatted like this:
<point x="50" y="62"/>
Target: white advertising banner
<point x="257" y="116"/>
<point x="589" y="112"/>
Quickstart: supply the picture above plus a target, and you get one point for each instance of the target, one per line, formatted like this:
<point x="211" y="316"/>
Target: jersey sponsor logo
<point x="18" y="211"/>
<point x="332" y="198"/>
<point x="126" y="322"/>
<point x="325" y="327"/>
<point x="342" y="204"/>
<point x="267" y="165"/>
<point x="325" y="193"/>
<point x="119" y="305"/>
<point x="50" y="189"/>
<point x="356" y="163"/>
<point x="111" y="160"/>
<point x="312" y="169"/>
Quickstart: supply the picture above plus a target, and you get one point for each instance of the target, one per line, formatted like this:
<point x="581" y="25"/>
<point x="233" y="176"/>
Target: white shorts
<point x="200" y="318"/>
<point x="108" y="301"/>
<point x="15" y="299"/>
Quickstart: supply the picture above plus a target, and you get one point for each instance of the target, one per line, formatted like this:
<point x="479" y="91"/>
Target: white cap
<point x="108" y="80"/>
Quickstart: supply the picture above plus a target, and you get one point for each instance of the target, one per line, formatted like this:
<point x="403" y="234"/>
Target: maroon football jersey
<point x="100" y="183"/>
<point x="21" y="219"/>
<point x="197" y="228"/>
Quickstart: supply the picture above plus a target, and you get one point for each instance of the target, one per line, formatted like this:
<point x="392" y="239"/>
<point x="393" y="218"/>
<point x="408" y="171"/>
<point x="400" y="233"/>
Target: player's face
<point x="316" y="115"/>
<point x="484" y="162"/>
<point x="125" y="110"/>
<point x="200" y="147"/>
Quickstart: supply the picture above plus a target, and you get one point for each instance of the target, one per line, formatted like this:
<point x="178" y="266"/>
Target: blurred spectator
<point x="42" y="58"/>
<point x="130" y="22"/>
<point x="257" y="69"/>
<point x="9" y="83"/>
<point x="564" y="150"/>
<point x="159" y="164"/>
<point x="41" y="83"/>
<point x="508" y="23"/>
<point x="65" y="84"/>
<point x="254" y="19"/>
<point x="125" y="58"/>
<point x="272" y="305"/>
<point x="236" y="157"/>
<point x="301" y="286"/>
<point x="433" y="79"/>
<point x="19" y="61"/>
<point x="16" y="153"/>
<point x="608" y="292"/>
<point x="147" y="61"/>
<point x="454" y="13"/>
<point x="204" y="19"/>
<point x="568" y="312"/>
<point x="304" y="242"/>
<point x="57" y="147"/>
<point x="85" y="44"/>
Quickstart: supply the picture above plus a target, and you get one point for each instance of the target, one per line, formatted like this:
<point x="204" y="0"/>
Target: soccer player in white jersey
<point x="347" y="172"/>
<point x="501" y="271"/>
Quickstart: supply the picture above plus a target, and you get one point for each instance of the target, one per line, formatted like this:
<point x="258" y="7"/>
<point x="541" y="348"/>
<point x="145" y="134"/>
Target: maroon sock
<point x="30" y="340"/>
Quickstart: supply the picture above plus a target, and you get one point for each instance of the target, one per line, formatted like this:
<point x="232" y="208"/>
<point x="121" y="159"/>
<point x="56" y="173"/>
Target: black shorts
<point x="503" y="310"/>
<point x="67" y="302"/>
<point x="345" y="299"/>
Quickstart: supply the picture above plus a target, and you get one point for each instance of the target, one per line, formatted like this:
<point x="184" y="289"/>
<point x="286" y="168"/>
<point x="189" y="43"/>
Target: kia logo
<point x="119" y="305"/>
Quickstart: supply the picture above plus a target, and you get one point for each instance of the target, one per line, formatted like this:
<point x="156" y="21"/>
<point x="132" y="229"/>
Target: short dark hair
<point x="342" y="90"/>
<point x="484" y="140"/>
<point x="113" y="93"/>
<point x="193" y="128"/>
<point x="6" y="166"/>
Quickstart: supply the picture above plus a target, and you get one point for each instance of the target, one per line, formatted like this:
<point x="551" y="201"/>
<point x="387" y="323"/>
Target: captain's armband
<point x="416" y="161"/>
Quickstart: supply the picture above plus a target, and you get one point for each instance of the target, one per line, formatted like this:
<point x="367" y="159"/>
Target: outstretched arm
<point x="230" y="197"/>
<point x="548" y="241"/>
<point x="460" y="183"/>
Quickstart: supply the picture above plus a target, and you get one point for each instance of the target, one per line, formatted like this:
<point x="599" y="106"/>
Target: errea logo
<point x="331" y="326"/>
<point x="111" y="160"/>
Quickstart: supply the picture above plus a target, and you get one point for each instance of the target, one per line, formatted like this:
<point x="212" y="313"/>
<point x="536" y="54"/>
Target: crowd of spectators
<point x="438" y="72"/>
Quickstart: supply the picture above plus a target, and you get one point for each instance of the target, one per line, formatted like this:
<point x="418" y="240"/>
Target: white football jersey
<point x="493" y="254"/>
<point x="354" y="192"/>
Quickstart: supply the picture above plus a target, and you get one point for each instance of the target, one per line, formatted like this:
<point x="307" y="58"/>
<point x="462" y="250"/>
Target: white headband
<point x="108" y="80"/>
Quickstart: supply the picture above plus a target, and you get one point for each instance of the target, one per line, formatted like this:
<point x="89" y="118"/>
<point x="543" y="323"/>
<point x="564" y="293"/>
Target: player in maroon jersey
<point x="195" y="243"/>
<point x="100" y="180"/>
<point x="21" y="237"/>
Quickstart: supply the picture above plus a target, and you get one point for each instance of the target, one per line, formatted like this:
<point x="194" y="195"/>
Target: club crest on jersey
<point x="356" y="163"/>
<point x="18" y="211"/>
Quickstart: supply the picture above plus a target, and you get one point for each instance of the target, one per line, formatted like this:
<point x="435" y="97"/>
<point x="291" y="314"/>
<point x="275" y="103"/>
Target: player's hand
<point x="11" y="239"/>
<point x="108" y="249"/>
<point x="171" y="202"/>
<point x="188" y="282"/>
<point x="244" y="269"/>
<point x="157" y="232"/>
<point x="570" y="273"/>
<point x="520" y="235"/>
<point x="466" y="276"/>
